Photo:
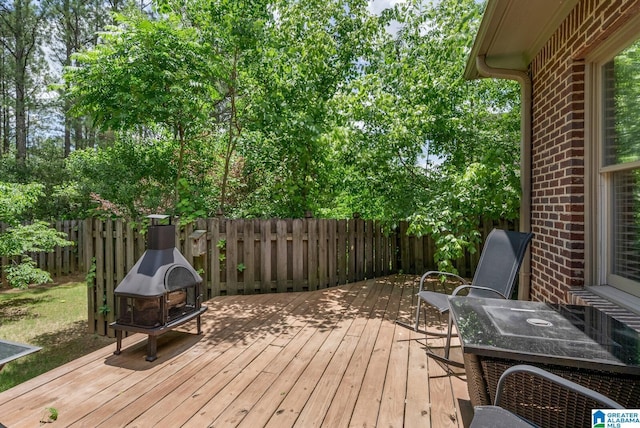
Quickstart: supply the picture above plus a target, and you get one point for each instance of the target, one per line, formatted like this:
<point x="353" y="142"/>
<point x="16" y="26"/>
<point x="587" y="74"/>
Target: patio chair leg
<point x="445" y="359"/>
<point x="416" y="326"/>
<point x="447" y="347"/>
<point x="417" y="316"/>
<point x="442" y="359"/>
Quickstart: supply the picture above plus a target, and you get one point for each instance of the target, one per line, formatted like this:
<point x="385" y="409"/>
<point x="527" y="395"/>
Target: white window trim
<point x="597" y="194"/>
<point x="617" y="296"/>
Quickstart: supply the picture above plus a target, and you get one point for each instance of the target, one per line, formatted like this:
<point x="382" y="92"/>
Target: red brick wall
<point x="557" y="205"/>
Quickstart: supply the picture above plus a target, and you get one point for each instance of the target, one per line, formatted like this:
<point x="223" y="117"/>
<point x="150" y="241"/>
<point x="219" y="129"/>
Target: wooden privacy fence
<point x="246" y="256"/>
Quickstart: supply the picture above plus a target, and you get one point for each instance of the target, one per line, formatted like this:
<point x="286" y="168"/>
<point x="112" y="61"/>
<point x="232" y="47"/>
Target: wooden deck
<point x="331" y="358"/>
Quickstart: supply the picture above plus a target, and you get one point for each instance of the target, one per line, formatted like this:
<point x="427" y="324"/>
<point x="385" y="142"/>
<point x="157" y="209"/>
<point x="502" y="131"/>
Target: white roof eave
<point x="512" y="32"/>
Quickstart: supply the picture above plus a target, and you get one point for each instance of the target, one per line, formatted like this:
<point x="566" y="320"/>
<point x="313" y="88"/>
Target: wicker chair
<point x="544" y="400"/>
<point x="495" y="277"/>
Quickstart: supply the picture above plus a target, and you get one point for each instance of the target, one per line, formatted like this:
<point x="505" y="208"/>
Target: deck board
<point x="332" y="358"/>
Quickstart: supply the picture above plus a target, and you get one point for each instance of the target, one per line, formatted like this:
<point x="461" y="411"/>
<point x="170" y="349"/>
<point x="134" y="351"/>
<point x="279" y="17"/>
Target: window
<point x="620" y="169"/>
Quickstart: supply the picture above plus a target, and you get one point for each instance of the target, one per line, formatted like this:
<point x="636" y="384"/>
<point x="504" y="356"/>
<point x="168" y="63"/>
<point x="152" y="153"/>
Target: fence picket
<point x="215" y="281"/>
<point x="266" y="243"/>
<point x="360" y="249"/>
<point x="87" y="252"/>
<point x="100" y="279"/>
<point x="249" y="260"/>
<point x="231" y="260"/>
<point x="341" y="251"/>
<point x="281" y="255"/>
<point x="331" y="252"/>
<point x="322" y="254"/>
<point x="312" y="260"/>
<point x="297" y="252"/>
<point x="368" y="249"/>
<point x="351" y="250"/>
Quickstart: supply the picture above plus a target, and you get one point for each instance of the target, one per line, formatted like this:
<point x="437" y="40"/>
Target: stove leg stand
<point x="118" y="342"/>
<point x="199" y="325"/>
<point x="152" y="348"/>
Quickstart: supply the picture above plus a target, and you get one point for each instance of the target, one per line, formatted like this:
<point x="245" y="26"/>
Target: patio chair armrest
<point x="565" y="383"/>
<point x="439" y="273"/>
<point x="477" y="287"/>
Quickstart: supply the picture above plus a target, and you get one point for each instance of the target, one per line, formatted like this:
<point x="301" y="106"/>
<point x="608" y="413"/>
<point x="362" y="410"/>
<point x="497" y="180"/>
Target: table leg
<point x="152" y="348"/>
<point x="118" y="342"/>
<point x="476" y="384"/>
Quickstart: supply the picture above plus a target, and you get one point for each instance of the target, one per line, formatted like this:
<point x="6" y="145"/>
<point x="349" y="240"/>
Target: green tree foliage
<point x="310" y="53"/>
<point x="234" y="32"/>
<point x="275" y="108"/>
<point x="623" y="90"/>
<point x="144" y="175"/>
<point x="428" y="145"/>
<point x="20" y="239"/>
<point x="147" y="73"/>
<point x="46" y="164"/>
<point x="276" y="67"/>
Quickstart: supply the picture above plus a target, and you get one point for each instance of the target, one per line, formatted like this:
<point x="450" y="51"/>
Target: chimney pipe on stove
<point x="160" y="236"/>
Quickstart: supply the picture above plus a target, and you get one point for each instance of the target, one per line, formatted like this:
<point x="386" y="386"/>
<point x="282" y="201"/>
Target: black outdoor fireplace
<point x="160" y="292"/>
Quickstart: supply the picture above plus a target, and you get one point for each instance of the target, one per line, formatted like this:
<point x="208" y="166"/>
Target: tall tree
<point x="283" y="107"/>
<point x="22" y="25"/>
<point x="74" y="25"/>
<point x="5" y="97"/>
<point x="426" y="144"/>
<point x="147" y="73"/>
<point x="311" y="50"/>
<point x="233" y="32"/>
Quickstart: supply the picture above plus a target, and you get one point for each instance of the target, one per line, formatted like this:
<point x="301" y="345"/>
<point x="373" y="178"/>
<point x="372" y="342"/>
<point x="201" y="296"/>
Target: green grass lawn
<point x="53" y="317"/>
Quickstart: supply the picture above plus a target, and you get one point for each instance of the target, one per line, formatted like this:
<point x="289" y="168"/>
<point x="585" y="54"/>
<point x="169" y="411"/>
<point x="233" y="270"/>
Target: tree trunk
<point x="180" y="167"/>
<point x="70" y="44"/>
<point x="67" y="130"/>
<point x="232" y="138"/>
<point x="21" y="114"/>
<point x="20" y="81"/>
<point x="4" y="110"/>
<point x="78" y="137"/>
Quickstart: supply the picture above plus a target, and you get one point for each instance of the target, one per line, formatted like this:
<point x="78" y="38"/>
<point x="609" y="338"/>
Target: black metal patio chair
<point x="494" y="277"/>
<point x="528" y="396"/>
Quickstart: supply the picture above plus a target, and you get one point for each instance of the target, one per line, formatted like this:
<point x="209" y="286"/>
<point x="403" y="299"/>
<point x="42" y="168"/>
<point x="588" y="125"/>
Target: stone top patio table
<point x="580" y="343"/>
<point x="10" y="351"/>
